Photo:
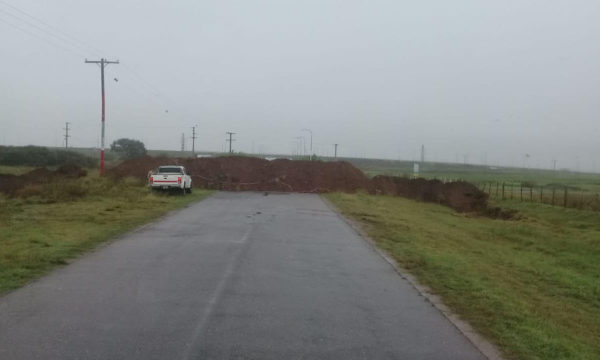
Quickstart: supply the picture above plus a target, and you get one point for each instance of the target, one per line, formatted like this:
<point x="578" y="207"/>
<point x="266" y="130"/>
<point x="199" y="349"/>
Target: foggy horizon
<point x="503" y="84"/>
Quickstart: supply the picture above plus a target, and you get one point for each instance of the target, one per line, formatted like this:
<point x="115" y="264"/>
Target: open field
<point x="480" y="174"/>
<point x="40" y="232"/>
<point x="477" y="174"/>
<point x="560" y="188"/>
<point x="15" y="170"/>
<point x="529" y="285"/>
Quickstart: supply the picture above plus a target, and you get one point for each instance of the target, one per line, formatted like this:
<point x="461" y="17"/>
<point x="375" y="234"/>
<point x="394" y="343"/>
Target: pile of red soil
<point x="247" y="173"/>
<point x="460" y="196"/>
<point x="238" y="173"/>
<point x="11" y="184"/>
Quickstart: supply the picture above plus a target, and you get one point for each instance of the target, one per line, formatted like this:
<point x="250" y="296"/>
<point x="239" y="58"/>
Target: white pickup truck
<point x="171" y="177"/>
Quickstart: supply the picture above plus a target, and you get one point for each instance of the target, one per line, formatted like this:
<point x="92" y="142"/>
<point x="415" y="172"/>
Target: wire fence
<point x="557" y="195"/>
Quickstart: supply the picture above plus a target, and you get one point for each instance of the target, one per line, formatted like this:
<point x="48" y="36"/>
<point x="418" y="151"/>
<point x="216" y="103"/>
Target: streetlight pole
<point x="311" y="141"/>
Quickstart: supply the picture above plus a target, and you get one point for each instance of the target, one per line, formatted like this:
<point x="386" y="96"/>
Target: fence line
<point x="549" y="194"/>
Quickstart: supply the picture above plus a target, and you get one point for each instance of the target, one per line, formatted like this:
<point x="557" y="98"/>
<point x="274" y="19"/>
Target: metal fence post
<point x="531" y="193"/>
<point x="521" y="191"/>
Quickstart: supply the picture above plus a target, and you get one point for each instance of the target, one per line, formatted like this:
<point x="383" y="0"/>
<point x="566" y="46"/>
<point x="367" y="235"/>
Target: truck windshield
<point x="170" y="170"/>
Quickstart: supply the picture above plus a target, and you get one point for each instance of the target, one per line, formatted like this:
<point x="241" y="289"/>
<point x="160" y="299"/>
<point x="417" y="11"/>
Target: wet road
<point x="237" y="276"/>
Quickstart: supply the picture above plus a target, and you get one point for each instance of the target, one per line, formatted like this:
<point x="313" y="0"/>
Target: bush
<point x="42" y="156"/>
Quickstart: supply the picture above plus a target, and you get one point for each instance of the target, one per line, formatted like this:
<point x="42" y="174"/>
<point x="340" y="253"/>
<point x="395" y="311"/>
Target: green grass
<point x="532" y="286"/>
<point x="482" y="174"/>
<point x="59" y="221"/>
<point x="15" y="170"/>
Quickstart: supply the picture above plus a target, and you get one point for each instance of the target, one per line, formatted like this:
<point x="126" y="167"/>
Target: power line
<point x="57" y="45"/>
<point x="52" y="35"/>
<point x="66" y="39"/>
<point x="43" y="30"/>
<point x="82" y="48"/>
<point x="155" y="89"/>
<point x="70" y="38"/>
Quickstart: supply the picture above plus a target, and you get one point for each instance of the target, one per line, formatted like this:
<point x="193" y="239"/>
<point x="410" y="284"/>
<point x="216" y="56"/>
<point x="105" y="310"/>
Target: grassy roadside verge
<point x="40" y="232"/>
<point x="532" y="286"/>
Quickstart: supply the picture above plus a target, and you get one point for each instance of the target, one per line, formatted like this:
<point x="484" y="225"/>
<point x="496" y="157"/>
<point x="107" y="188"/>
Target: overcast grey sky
<point x="485" y="81"/>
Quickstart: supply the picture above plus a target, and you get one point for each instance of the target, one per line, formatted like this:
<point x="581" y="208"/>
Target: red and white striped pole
<point x="103" y="62"/>
<point x="103" y="118"/>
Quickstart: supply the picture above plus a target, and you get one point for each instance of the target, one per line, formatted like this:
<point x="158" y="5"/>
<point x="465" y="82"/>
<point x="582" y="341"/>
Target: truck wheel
<point x="189" y="190"/>
<point x="183" y="190"/>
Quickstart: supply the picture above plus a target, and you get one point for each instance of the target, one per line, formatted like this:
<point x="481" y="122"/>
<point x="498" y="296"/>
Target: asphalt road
<point x="237" y="276"/>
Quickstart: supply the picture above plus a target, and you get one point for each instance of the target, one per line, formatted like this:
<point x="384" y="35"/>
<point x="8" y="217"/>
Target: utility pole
<point x="335" y="151"/>
<point x="67" y="136"/>
<point x="182" y="142"/>
<point x="299" y="145"/>
<point x="554" y="164"/>
<point x="230" y="140"/>
<point x="422" y="154"/>
<point x="103" y="63"/>
<point x="311" y="135"/>
<point x="194" y="140"/>
<point x="303" y="146"/>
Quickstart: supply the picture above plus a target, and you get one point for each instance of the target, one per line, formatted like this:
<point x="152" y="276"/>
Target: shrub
<point x="42" y="156"/>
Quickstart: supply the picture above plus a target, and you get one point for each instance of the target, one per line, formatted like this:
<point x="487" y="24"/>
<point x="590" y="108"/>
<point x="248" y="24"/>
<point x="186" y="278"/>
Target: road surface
<point x="237" y="276"/>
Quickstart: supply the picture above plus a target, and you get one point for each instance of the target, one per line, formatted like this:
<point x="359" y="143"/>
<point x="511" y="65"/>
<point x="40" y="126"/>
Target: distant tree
<point x="128" y="148"/>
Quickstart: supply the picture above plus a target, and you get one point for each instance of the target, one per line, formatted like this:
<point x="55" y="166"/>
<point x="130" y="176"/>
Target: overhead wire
<point x="39" y="37"/>
<point x="40" y="29"/>
<point x="66" y="36"/>
<point x="69" y="43"/>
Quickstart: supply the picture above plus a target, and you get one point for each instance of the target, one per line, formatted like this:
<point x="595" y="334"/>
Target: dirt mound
<point x="140" y="167"/>
<point x="11" y="184"/>
<point x="71" y="171"/>
<point x="238" y="173"/>
<point x="248" y="173"/>
<point x="460" y="196"/>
